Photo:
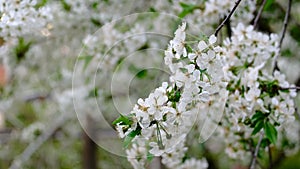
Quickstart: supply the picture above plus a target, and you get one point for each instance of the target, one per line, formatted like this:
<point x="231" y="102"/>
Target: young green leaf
<point x="268" y="5"/>
<point x="128" y="139"/>
<point x="187" y="8"/>
<point x="86" y="59"/>
<point x="93" y="93"/>
<point x="139" y="72"/>
<point x="149" y="156"/>
<point x="264" y="143"/>
<point x="259" y="125"/>
<point x="41" y="4"/>
<point x="142" y="74"/>
<point x="123" y="120"/>
<point x="66" y="6"/>
<point x="271" y="132"/>
<point x="21" y="49"/>
<point x="257" y="116"/>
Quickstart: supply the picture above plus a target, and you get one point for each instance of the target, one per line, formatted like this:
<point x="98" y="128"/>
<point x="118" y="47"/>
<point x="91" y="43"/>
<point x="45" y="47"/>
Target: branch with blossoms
<point x="159" y="124"/>
<point x="256" y="101"/>
<point x="235" y="77"/>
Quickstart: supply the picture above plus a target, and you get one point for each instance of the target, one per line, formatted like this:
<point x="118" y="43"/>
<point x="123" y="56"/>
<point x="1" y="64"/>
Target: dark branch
<point x="227" y="17"/>
<point x="270" y="157"/>
<point x="228" y="26"/>
<point x="288" y="88"/>
<point x="89" y="147"/>
<point x="38" y="97"/>
<point x="254" y="156"/>
<point x="259" y="13"/>
<point x="285" y="22"/>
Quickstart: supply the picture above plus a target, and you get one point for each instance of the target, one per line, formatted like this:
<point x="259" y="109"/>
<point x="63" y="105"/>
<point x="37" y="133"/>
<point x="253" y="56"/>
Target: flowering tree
<point x="239" y="78"/>
<point x="180" y="80"/>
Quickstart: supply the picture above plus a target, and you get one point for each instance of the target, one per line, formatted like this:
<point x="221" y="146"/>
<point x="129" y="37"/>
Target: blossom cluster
<point x="115" y="45"/>
<point x="164" y="118"/>
<point x="211" y="12"/>
<point x="259" y="95"/>
<point x="19" y="18"/>
<point x="239" y="79"/>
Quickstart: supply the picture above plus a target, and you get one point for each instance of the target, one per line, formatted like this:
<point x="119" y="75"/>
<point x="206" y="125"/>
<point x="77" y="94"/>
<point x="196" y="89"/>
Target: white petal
<point x="192" y="56"/>
<point x="211" y="54"/>
<point x="165" y="85"/>
<point x="212" y="39"/>
<point x="202" y="45"/>
<point x="190" y="68"/>
<point x="140" y="102"/>
<point x="275" y="101"/>
<point x="161" y="100"/>
<point x="196" y="74"/>
<point x="184" y="54"/>
<point x="183" y="26"/>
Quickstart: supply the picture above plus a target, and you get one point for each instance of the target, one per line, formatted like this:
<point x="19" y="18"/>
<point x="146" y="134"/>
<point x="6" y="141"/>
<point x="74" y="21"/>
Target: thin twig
<point x="35" y="145"/>
<point x="253" y="162"/>
<point x="285" y="22"/>
<point x="38" y="97"/>
<point x="259" y="13"/>
<point x="291" y="18"/>
<point x="297" y="113"/>
<point x="270" y="157"/>
<point x="227" y="17"/>
<point x="259" y="164"/>
<point x="287" y="88"/>
<point x="229" y="31"/>
<point x="89" y="146"/>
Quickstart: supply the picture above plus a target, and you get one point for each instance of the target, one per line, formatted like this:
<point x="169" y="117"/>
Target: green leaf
<point x="21" y="49"/>
<point x="268" y="5"/>
<point x="152" y="9"/>
<point x="142" y="74"/>
<point x="95" y="5"/>
<point x="139" y="72"/>
<point x="93" y="93"/>
<point x="174" y="95"/>
<point x="295" y="33"/>
<point x="143" y="47"/>
<point x="187" y="8"/>
<point x="86" y="59"/>
<point x="96" y="22"/>
<point x="270" y="88"/>
<point x="149" y="156"/>
<point x="41" y="4"/>
<point x="264" y="143"/>
<point x="236" y="69"/>
<point x="287" y="52"/>
<point x="123" y="120"/>
<point x="271" y="132"/>
<point x="259" y="125"/>
<point x="247" y="121"/>
<point x="128" y="139"/>
<point x="66" y="6"/>
<point x="189" y="49"/>
<point x="258" y="116"/>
